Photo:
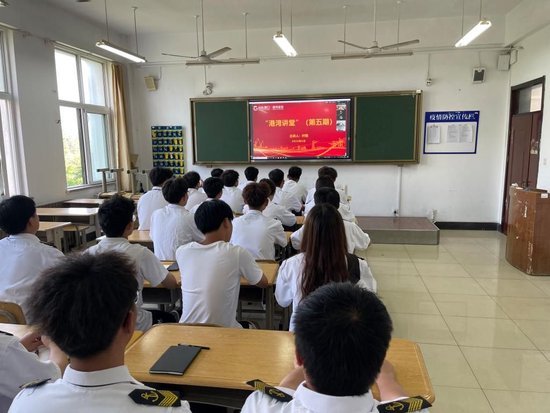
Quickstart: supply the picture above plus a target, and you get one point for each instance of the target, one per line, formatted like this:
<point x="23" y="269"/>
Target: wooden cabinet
<point x="528" y="242"/>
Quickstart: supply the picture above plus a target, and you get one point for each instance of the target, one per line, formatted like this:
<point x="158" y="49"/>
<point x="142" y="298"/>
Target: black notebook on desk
<point x="173" y="267"/>
<point x="175" y="360"/>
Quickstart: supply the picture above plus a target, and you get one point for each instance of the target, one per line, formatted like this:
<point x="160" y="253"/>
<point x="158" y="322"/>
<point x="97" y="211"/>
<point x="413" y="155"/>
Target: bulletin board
<point x="453" y="132"/>
<point x="167" y="144"/>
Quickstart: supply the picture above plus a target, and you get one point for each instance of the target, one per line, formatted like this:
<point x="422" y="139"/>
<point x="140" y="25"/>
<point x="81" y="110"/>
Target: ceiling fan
<point x="205" y="59"/>
<point x="375" y="50"/>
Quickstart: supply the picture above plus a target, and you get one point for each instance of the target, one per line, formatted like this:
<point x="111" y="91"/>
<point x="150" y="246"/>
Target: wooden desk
<point x="53" y="231"/>
<point x="300" y="220"/>
<point x="87" y="213"/>
<point x="141" y="237"/>
<point x="85" y="202"/>
<point x="219" y="375"/>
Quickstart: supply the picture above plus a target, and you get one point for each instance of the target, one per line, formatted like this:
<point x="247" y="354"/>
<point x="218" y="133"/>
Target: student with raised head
<point x="22" y="256"/>
<point x="213" y="269"/>
<point x="356" y="238"/>
<point x="332" y="174"/>
<point x="272" y="210"/>
<point x="216" y="173"/>
<point x="173" y="225"/>
<point x="153" y="199"/>
<point x="213" y="188"/>
<point x="283" y="198"/>
<point x="327" y="182"/>
<point x="292" y="185"/>
<point x="86" y="305"/>
<point x="116" y="220"/>
<point x="232" y="195"/>
<point x="254" y="231"/>
<point x="251" y="174"/>
<point x="324" y="259"/>
<point x="196" y="197"/>
<point x="342" y="336"/>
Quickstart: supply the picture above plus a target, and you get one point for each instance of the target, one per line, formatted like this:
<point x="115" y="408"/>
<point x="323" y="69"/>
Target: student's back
<point x="153" y="199"/>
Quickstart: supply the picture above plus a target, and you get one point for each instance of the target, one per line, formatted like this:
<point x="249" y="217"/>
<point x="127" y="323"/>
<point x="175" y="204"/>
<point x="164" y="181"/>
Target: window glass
<point x="67" y="76"/>
<point x="536" y="98"/>
<point x="71" y="146"/>
<point x="2" y="69"/>
<point x="99" y="154"/>
<point x="92" y="81"/>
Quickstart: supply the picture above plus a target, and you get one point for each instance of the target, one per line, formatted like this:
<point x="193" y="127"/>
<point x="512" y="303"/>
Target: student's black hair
<point x="324" y="181"/>
<point x="277" y="176"/>
<point x="255" y="195"/>
<point x="15" y="213"/>
<point x="210" y="215"/>
<point x="342" y="333"/>
<point x="212" y="187"/>
<point x="251" y="173"/>
<point x="193" y="179"/>
<point x="269" y="183"/>
<point x="174" y="189"/>
<point x="115" y="214"/>
<point x="230" y="177"/>
<point x="329" y="171"/>
<point x="83" y="300"/>
<point x="159" y="175"/>
<point x="294" y="173"/>
<point x="327" y="196"/>
<point x="216" y="172"/>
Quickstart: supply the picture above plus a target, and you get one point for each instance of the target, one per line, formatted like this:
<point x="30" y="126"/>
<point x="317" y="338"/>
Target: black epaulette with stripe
<point x="161" y="398"/>
<point x="412" y="404"/>
<point x="270" y="390"/>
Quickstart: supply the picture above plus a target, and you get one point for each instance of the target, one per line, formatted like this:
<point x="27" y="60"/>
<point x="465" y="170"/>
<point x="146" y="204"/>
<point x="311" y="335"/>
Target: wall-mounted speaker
<point x="503" y="62"/>
<point x="150" y="83"/>
<point x="478" y="75"/>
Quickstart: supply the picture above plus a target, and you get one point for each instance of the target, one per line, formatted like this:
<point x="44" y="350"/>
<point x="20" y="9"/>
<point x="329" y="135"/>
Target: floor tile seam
<point x="529" y="338"/>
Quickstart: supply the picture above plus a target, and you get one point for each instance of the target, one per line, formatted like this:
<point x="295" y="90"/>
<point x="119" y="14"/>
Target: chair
<point x="11" y="313"/>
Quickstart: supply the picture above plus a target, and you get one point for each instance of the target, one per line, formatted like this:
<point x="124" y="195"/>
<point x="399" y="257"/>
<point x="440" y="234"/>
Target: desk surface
<point x="239" y="355"/>
<point x="51" y="225"/>
<point x="300" y="220"/>
<point x="140" y="237"/>
<point x="66" y="212"/>
<point x="85" y="201"/>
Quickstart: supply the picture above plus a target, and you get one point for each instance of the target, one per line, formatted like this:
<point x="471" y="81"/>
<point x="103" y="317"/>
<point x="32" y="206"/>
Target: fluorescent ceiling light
<point x="104" y="44"/>
<point x="477" y="30"/>
<point x="284" y="44"/>
<point x="4" y="3"/>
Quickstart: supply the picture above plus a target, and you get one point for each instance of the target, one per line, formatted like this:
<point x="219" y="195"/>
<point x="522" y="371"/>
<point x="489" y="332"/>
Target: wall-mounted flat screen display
<point x="304" y="129"/>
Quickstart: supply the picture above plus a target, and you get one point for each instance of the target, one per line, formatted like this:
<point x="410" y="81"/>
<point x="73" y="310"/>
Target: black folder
<point x="173" y="267"/>
<point x="175" y="360"/>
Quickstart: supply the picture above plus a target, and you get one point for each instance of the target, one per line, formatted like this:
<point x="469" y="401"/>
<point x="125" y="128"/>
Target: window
<point x="85" y="119"/>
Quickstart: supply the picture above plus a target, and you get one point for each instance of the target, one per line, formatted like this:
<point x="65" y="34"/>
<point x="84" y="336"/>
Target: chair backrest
<point x="11" y="313"/>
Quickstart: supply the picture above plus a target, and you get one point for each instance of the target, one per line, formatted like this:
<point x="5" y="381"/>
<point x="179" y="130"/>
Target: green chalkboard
<point x="386" y="128"/>
<point x="220" y="131"/>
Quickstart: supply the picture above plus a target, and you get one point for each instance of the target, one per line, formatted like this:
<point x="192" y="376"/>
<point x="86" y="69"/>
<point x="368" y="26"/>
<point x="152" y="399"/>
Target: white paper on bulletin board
<point x="451" y="132"/>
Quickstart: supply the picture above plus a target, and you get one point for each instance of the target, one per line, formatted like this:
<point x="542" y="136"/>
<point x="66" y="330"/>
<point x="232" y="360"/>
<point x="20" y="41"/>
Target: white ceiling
<point x="155" y="16"/>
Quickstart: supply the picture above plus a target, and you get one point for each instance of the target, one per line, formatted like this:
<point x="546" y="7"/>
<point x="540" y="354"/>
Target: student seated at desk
<point x="211" y="271"/>
<point x="332" y="174"/>
<point x="216" y="173"/>
<point x="344" y="209"/>
<point x="287" y="218"/>
<point x="356" y="238"/>
<point x="255" y="232"/>
<point x="86" y="305"/>
<point x="342" y="335"/>
<point x="292" y="185"/>
<point x="116" y="220"/>
<point x="324" y="259"/>
<point x="251" y="175"/>
<point x="173" y="225"/>
<point x="22" y="256"/>
<point x="196" y="197"/>
<point x="153" y="199"/>
<point x="213" y="188"/>
<point x="283" y="198"/>
<point x="232" y="195"/>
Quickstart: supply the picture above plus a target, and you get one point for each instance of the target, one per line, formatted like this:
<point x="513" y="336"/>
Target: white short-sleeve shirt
<point x="258" y="234"/>
<point x="148" y="268"/>
<point x="289" y="282"/>
<point x="210" y="281"/>
<point x="286" y="200"/>
<point x="311" y="193"/>
<point x="343" y="209"/>
<point x="105" y="391"/>
<point x="23" y="257"/>
<point x="241" y="186"/>
<point x="147" y="204"/>
<point x="195" y="197"/>
<point x="286" y="217"/>
<point x="233" y="197"/>
<point x="295" y="189"/>
<point x="194" y="209"/>
<point x="171" y="227"/>
<point x="356" y="238"/>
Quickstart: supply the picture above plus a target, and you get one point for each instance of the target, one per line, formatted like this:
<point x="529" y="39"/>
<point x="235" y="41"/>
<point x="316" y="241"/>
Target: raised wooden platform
<point x="400" y="230"/>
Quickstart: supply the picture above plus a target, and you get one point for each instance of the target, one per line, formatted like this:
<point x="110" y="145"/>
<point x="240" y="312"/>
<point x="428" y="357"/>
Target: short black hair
<point x="159" y="175"/>
<point x="327" y="170"/>
<point x="294" y="172"/>
<point x="277" y="176"/>
<point x="255" y="195"/>
<point x="342" y="334"/>
<point x="212" y="187"/>
<point x="251" y="173"/>
<point x="327" y="196"/>
<point x="216" y="172"/>
<point x="324" y="181"/>
<point x="115" y="214"/>
<point x="230" y="177"/>
<point x="193" y="179"/>
<point x="269" y="183"/>
<point x="15" y="213"/>
<point x="174" y="189"/>
<point x="82" y="301"/>
<point x="210" y="215"/>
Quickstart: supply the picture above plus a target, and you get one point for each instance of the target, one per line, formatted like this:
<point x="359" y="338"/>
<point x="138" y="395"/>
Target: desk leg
<point x="58" y="238"/>
<point x="95" y="222"/>
<point x="269" y="307"/>
<point x="50" y="236"/>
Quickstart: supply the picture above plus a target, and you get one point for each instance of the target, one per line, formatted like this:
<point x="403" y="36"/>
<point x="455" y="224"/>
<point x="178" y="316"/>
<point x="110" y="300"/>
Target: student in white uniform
<point x="116" y="220"/>
<point x="251" y="175"/>
<point x="173" y="225"/>
<point x="324" y="259"/>
<point x="344" y="209"/>
<point x="22" y="256"/>
<point x="283" y="198"/>
<point x="213" y="188"/>
<point x="86" y="305"/>
<point x="153" y="199"/>
<point x="216" y="173"/>
<point x="254" y="231"/>
<point x="232" y="195"/>
<point x="332" y="174"/>
<point x="287" y="218"/>
<point x="353" y="328"/>
<point x="356" y="238"/>
<point x="19" y="364"/>
<point x="292" y="185"/>
<point x="196" y="197"/>
<point x="213" y="269"/>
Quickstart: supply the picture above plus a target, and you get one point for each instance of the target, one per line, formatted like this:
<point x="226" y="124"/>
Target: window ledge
<point x="87" y="186"/>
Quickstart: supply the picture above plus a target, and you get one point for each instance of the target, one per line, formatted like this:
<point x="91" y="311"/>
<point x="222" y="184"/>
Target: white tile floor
<point x="483" y="326"/>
